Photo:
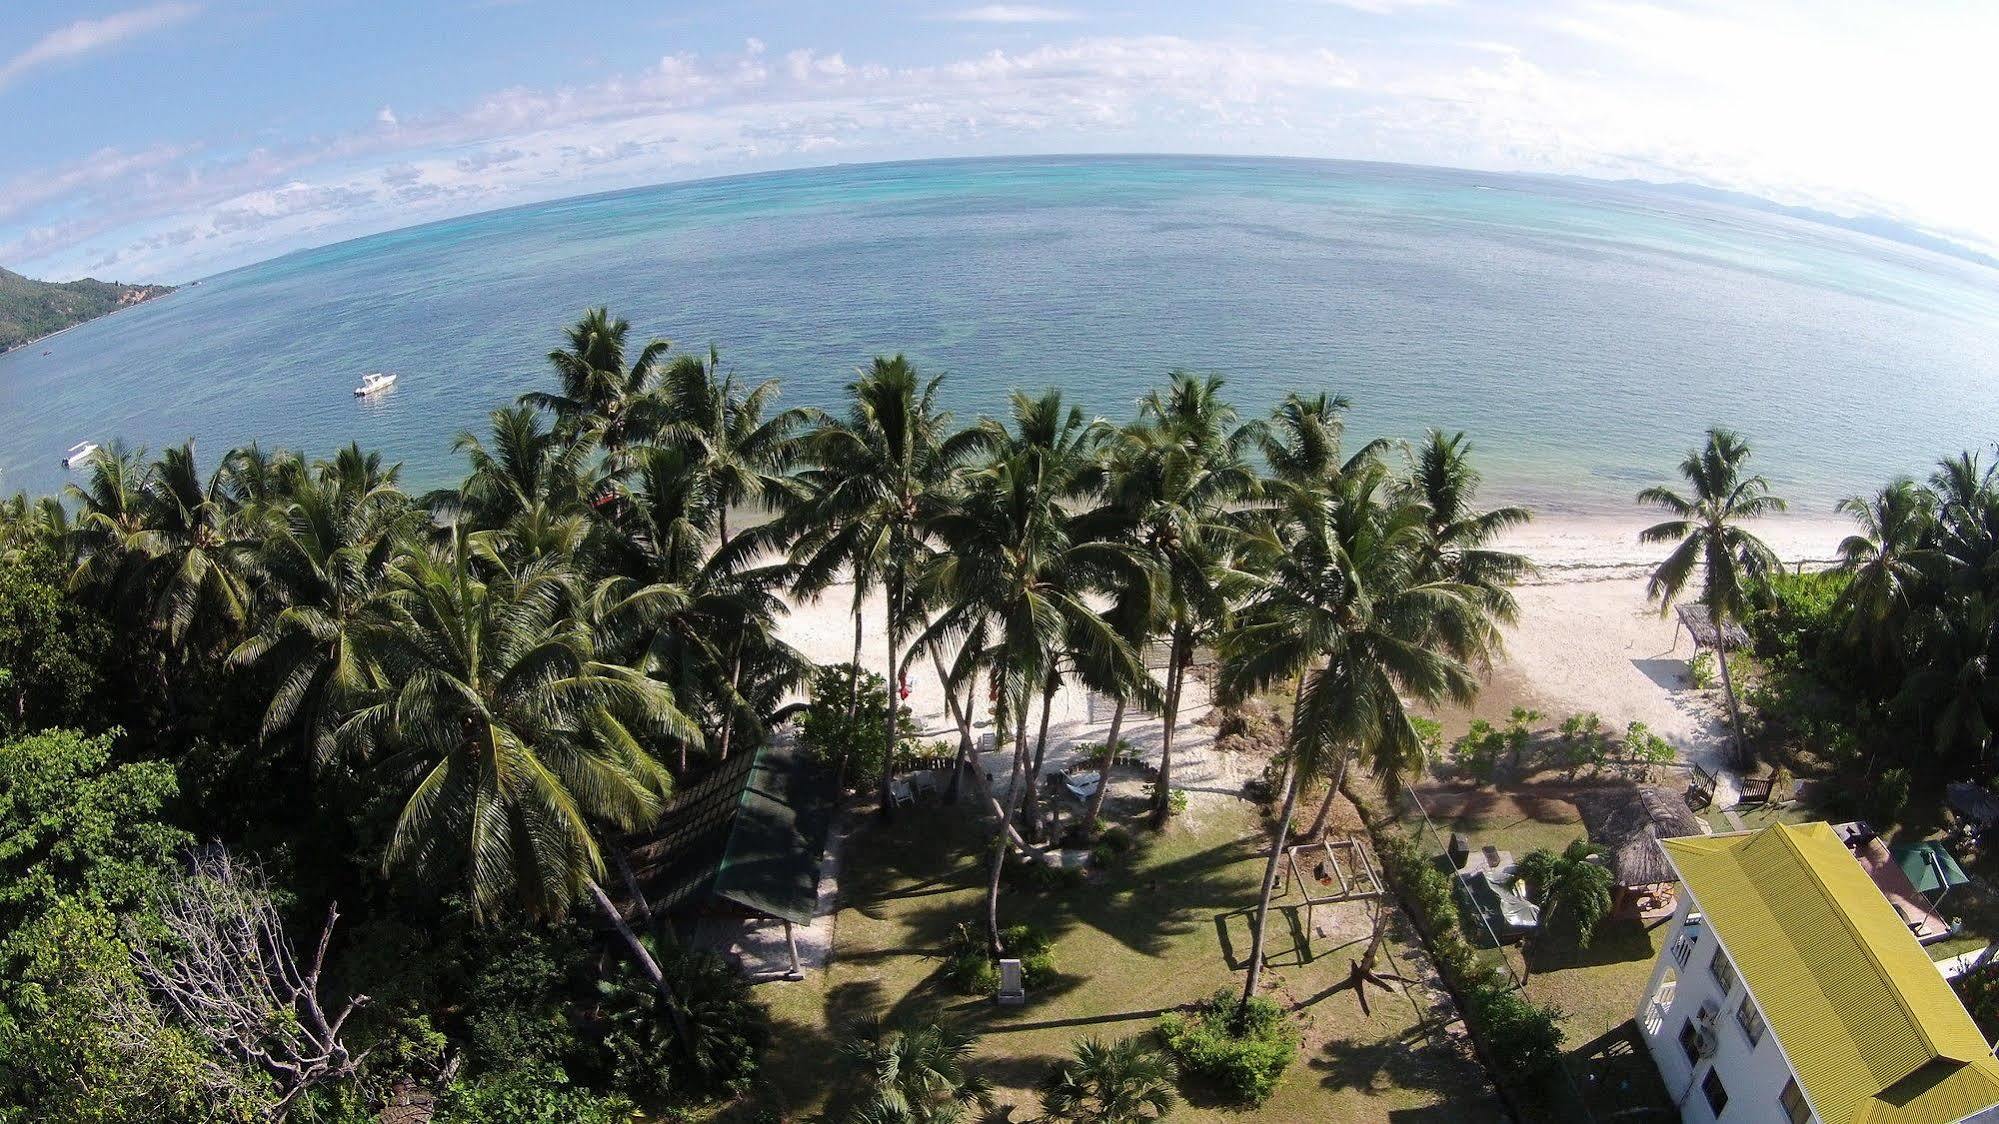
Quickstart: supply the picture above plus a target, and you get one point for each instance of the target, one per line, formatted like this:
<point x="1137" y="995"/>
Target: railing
<point x="1655" y="1012"/>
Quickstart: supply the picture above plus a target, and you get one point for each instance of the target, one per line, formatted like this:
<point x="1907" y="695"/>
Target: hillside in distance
<point x="32" y="309"/>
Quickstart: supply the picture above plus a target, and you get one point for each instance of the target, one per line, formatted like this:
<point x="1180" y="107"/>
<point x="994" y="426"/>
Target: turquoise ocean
<point x="1583" y="333"/>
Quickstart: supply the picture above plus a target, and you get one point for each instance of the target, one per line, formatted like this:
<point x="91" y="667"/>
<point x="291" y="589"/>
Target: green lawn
<point x="1164" y="930"/>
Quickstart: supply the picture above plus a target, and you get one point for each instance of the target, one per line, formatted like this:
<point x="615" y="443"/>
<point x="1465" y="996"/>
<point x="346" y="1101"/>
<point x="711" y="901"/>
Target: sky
<point x="170" y="140"/>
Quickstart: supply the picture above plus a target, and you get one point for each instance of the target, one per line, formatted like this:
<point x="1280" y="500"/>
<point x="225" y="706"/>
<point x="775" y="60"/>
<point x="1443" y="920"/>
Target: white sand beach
<point x="1586" y="641"/>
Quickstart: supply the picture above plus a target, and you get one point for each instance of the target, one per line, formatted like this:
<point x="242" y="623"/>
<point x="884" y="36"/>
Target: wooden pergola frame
<point x="1357" y="879"/>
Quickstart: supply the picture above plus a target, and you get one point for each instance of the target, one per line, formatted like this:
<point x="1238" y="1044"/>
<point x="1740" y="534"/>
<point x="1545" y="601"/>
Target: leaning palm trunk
<point x="1325" y="817"/>
<point x="1277" y="843"/>
<point x="647" y="964"/>
<point x="962" y="716"/>
<point x="1014" y="787"/>
<point x="1096" y="812"/>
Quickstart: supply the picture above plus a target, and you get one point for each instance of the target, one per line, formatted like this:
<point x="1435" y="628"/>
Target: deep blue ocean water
<point x="1583" y="333"/>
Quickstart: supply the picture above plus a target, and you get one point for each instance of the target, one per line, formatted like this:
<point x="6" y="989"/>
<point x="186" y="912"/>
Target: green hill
<point x="30" y="310"/>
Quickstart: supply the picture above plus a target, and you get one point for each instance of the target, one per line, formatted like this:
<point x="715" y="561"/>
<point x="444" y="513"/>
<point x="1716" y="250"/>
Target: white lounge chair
<point x="1013" y="984"/>
<point x="899" y="791"/>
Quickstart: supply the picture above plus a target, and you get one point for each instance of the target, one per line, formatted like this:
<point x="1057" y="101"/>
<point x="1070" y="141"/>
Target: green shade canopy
<point x="771" y="864"/>
<point x="750" y="832"/>
<point x="1921" y="862"/>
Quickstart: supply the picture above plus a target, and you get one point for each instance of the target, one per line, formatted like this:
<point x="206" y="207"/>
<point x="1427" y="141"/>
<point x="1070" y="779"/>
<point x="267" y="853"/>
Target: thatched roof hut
<point x="1699" y="624"/>
<point x="1628" y="821"/>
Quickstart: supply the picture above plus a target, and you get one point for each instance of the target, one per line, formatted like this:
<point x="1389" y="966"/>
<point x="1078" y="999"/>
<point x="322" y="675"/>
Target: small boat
<point x="79" y="454"/>
<point x="374" y="384"/>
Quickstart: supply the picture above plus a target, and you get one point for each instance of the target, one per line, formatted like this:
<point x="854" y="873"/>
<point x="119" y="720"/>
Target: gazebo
<point x="745" y="840"/>
<point x="1700" y="624"/>
<point x="1628" y="821"/>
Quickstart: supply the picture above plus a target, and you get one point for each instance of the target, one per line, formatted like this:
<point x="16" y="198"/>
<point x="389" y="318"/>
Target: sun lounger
<point x="926" y="784"/>
<point x="899" y="791"/>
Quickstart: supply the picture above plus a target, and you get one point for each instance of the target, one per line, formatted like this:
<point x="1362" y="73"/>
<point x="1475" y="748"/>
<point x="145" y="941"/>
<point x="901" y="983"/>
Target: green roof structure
<point x="750" y="833"/>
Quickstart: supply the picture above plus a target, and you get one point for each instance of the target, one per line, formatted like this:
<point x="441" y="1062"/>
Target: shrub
<point x="1978" y="989"/>
<point x="971" y="968"/>
<point x="856" y="746"/>
<point x="1036" y="875"/>
<point x="1886" y="799"/>
<point x="1584" y="742"/>
<point x="645" y="1054"/>
<point x="1176" y="798"/>
<point x="1242" y="1048"/>
<point x="532" y="1094"/>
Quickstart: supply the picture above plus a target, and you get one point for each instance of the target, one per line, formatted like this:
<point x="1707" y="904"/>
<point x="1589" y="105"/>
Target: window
<point x="1723" y="971"/>
<point x="1717" y="1097"/>
<point x="1750" y="1020"/>
<point x="1793" y="1100"/>
<point x="1690" y="1040"/>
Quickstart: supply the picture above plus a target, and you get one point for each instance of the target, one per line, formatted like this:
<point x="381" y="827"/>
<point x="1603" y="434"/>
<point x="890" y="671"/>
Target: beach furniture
<point x="1084" y="785"/>
<point x="1012" y="986"/>
<point x="900" y="792"/>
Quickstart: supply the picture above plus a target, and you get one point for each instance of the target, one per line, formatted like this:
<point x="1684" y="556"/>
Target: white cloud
<point x="88" y="35"/>
<point x="1765" y="102"/>
<point x="1014" y="13"/>
<point x="1387" y="7"/>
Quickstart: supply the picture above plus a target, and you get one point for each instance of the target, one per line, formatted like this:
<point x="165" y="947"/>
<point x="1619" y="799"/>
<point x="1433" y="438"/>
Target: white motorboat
<point x="79" y="454"/>
<point x="374" y="384"/>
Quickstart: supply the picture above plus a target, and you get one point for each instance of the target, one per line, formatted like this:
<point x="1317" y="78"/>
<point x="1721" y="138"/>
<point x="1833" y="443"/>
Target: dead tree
<point x="223" y="968"/>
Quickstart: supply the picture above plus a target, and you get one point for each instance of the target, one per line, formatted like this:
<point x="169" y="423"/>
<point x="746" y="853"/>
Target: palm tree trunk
<point x="1325" y="815"/>
<point x="894" y="701"/>
<point x="1176" y="673"/>
<point x="1742" y="761"/>
<point x="729" y="712"/>
<point x="854" y="686"/>
<point x="961" y="716"/>
<point x="643" y="957"/>
<point x="1040" y="757"/>
<point x="1013" y="791"/>
<point x="1096" y="812"/>
<point x="1277" y="843"/>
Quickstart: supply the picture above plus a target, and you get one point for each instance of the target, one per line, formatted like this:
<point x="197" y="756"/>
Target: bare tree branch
<point x="222" y="967"/>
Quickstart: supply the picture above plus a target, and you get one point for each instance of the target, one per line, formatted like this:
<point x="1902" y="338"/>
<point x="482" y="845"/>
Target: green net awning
<point x="771" y="863"/>
<point x="1929" y="866"/>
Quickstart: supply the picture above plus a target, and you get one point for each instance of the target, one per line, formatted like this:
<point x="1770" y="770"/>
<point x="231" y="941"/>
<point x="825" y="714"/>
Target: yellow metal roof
<point x="1872" y="1030"/>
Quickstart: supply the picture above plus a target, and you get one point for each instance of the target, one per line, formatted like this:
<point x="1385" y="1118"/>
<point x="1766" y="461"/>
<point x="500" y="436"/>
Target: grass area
<point x="1597" y="987"/>
<point x="1167" y="928"/>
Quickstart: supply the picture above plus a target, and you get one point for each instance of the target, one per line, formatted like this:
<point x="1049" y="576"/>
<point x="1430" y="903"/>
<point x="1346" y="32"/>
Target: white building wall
<point x="1754" y="1076"/>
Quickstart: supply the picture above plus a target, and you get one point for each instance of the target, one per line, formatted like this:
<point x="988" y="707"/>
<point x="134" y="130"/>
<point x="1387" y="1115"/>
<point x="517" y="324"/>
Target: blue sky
<point x="175" y="138"/>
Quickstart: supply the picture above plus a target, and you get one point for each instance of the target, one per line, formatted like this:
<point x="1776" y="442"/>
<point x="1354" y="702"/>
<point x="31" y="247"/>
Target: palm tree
<point x="324" y="555"/>
<point x="1888" y="563"/>
<point x="1014" y="583"/>
<point x="1124" y="1082"/>
<point x="1707" y="526"/>
<point x="1575" y="880"/>
<point x="722" y="623"/>
<point x="195" y="548"/>
<point x="1347" y="608"/>
<point x="485" y="702"/>
<point x="601" y="394"/>
<point x="746" y="456"/>
<point x="1442" y="477"/>
<point x="879" y="477"/>
<point x="1180" y="475"/>
<point x="915" y="1074"/>
<point x="525" y="471"/>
